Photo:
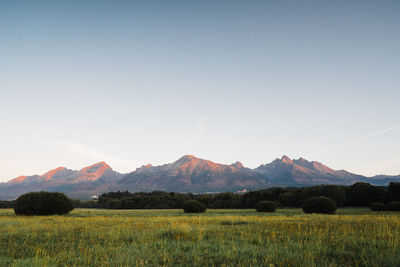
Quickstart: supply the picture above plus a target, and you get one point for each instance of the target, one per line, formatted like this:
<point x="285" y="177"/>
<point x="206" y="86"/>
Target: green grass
<point x="88" y="237"/>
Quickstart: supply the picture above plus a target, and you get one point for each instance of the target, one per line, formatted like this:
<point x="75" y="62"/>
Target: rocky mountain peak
<point x="96" y="167"/>
<point x="50" y="174"/>
<point x="237" y="164"/>
<point x="187" y="158"/>
<point x="285" y="159"/>
<point x="18" y="180"/>
<point x="94" y="172"/>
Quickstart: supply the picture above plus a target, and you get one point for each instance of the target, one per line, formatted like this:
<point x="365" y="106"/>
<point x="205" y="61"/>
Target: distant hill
<point x="187" y="174"/>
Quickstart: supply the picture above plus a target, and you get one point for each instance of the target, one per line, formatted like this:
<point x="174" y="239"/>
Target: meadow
<point x="287" y="237"/>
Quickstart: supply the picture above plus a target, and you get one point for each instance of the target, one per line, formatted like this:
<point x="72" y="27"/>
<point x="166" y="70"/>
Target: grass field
<point x="353" y="237"/>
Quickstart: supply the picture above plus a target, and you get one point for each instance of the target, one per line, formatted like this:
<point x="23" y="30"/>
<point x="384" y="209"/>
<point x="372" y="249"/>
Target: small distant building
<point x="241" y="191"/>
<point x="94" y="198"/>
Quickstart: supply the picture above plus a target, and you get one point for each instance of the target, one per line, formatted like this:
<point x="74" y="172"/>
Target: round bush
<point x="319" y="204"/>
<point x="266" y="206"/>
<point x="42" y="203"/>
<point x="193" y="206"/>
<point x="377" y="206"/>
<point x="393" y="206"/>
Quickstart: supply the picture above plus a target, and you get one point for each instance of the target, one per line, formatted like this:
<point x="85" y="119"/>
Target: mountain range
<point x="187" y="174"/>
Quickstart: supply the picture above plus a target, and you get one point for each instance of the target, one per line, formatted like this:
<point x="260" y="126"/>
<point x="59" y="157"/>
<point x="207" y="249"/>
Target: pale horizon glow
<point x="138" y="82"/>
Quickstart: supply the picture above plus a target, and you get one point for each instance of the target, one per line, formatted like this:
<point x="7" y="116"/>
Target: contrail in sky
<point x="358" y="140"/>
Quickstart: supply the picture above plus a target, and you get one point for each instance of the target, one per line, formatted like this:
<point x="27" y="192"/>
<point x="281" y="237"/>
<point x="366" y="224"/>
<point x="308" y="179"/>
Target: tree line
<point x="358" y="194"/>
<point x="4" y="204"/>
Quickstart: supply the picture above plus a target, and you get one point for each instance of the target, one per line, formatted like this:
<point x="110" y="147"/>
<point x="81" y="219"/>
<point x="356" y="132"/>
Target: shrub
<point x="319" y="204"/>
<point x="266" y="206"/>
<point x="193" y="206"/>
<point x="377" y="206"/>
<point x="335" y="192"/>
<point x="393" y="206"/>
<point x="42" y="203"/>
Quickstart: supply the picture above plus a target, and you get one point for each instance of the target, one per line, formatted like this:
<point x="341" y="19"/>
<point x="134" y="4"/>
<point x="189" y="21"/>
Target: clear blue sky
<point x="136" y="82"/>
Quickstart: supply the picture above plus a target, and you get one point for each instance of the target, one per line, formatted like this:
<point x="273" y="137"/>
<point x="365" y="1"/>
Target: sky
<point x="137" y="82"/>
